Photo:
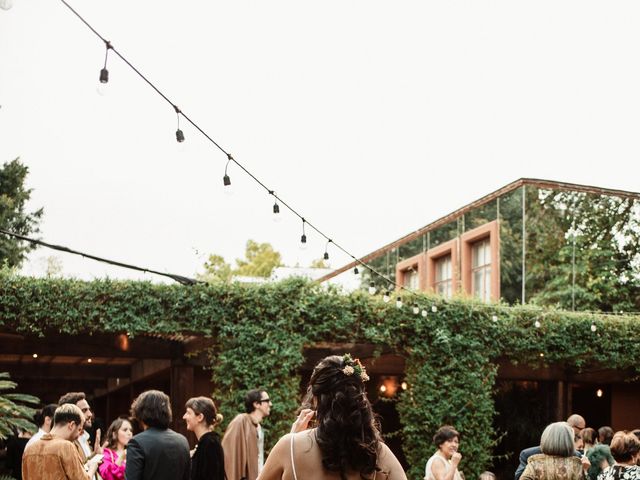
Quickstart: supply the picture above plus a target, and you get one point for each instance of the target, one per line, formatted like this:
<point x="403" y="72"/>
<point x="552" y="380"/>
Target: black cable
<point x="177" y="278"/>
<point x="229" y="156"/>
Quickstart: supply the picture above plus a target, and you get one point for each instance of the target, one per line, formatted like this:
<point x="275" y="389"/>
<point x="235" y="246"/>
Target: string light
<point x="356" y="271"/>
<point x="226" y="179"/>
<point x="303" y="238"/>
<point x="398" y="302"/>
<point x="593" y="327"/>
<point x="372" y="288"/>
<point x="494" y="318"/>
<point x="104" y="73"/>
<point x="424" y="313"/>
<point x="599" y="393"/>
<point x="404" y="385"/>
<point x="35" y="355"/>
<point x="434" y="309"/>
<point x="326" y="250"/>
<point x="537" y="324"/>
<point x="179" y="134"/>
<point x="386" y="297"/>
<point x="416" y="309"/>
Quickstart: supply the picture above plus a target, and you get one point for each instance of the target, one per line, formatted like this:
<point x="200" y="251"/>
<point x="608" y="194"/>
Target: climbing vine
<point x="260" y="332"/>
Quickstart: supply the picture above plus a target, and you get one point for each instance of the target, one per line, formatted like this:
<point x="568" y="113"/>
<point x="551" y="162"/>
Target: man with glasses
<point x="243" y="441"/>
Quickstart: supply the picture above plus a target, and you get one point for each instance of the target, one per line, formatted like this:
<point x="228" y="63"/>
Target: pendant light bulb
<point x="416" y="309"/>
<point x="356" y="271"/>
<point x="386" y="297"/>
<point x="398" y="302"/>
<point x="372" y="288"/>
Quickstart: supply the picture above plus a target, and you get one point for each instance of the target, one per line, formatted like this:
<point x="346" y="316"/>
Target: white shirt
<point x="260" y="448"/>
<point x="35" y="438"/>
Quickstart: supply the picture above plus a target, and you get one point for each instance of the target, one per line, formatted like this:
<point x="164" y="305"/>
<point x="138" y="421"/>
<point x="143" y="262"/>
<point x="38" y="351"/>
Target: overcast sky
<point x="371" y="118"/>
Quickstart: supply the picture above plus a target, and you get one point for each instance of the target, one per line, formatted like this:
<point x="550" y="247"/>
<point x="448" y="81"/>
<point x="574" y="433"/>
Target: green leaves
<point x="13" y="414"/>
<point x="261" y="332"/>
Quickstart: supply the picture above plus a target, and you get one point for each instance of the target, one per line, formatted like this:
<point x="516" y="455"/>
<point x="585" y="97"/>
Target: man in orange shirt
<point x="54" y="456"/>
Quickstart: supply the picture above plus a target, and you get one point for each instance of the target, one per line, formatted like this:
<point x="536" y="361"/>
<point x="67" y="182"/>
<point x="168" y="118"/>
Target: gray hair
<point x="557" y="439"/>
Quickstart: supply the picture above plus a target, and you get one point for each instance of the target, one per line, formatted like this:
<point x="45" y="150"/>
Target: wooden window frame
<point x="490" y="230"/>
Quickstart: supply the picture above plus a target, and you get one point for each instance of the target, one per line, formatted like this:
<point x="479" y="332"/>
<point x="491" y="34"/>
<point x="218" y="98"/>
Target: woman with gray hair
<point x="557" y="460"/>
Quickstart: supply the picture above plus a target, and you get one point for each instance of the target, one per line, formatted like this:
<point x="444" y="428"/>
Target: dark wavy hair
<point x="112" y="432"/>
<point x="348" y="432"/>
<point x="153" y="408"/>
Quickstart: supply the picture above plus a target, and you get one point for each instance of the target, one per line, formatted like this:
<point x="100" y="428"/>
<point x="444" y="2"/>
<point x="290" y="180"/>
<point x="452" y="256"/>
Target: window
<point x="442" y="268"/>
<point x="411" y="279"/>
<point x="480" y="262"/>
<point x="444" y="278"/>
<point x="481" y="269"/>
<point x="410" y="272"/>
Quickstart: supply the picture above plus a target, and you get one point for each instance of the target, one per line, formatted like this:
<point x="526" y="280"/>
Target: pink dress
<point x="108" y="469"/>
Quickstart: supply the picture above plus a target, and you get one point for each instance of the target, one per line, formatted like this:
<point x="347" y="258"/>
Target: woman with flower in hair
<point x="207" y="461"/>
<point x="346" y="443"/>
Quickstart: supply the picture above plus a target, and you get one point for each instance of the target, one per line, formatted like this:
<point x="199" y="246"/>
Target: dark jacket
<point x="157" y="454"/>
<point x="524" y="457"/>
<point x="207" y="462"/>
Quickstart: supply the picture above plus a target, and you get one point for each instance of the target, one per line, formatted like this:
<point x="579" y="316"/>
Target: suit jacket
<point x="157" y="454"/>
<point x="240" y="446"/>
<point x="524" y="458"/>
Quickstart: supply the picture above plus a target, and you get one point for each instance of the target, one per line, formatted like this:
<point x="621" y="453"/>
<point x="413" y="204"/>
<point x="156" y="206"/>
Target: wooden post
<point x="181" y="390"/>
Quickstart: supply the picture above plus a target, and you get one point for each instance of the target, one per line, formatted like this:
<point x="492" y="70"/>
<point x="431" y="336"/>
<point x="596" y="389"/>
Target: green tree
<point x="260" y="260"/>
<point x="216" y="270"/>
<point x="13" y="216"/>
<point x="585" y="251"/>
<point x="13" y="412"/>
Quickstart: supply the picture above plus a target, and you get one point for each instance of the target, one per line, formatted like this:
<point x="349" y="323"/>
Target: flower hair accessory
<point x="354" y="367"/>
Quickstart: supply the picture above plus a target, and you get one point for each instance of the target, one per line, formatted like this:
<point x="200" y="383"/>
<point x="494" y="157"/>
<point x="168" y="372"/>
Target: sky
<point x="370" y="118"/>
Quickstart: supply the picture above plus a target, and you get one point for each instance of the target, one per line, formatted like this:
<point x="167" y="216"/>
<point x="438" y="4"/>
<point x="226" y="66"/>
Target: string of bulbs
<point x="180" y="137"/>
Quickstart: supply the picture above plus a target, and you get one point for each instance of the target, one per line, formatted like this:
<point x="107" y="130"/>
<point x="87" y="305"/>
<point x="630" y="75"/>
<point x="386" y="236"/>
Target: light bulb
<point x="404" y="385"/>
<point x="434" y="309"/>
<point x="593" y="328"/>
<point x="372" y="288"/>
<point x="303" y="242"/>
<point x="356" y="271"/>
<point x="179" y="136"/>
<point x="599" y="393"/>
<point x="537" y="324"/>
<point x="416" y="309"/>
<point x="35" y="355"/>
<point x="325" y="256"/>
<point x="383" y="388"/>
<point x="386" y="297"/>
<point x="398" y="302"/>
<point x="424" y="313"/>
<point x="494" y="318"/>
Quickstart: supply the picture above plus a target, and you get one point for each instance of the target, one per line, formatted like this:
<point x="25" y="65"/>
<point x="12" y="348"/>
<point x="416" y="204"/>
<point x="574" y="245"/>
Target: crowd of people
<point x="336" y="436"/>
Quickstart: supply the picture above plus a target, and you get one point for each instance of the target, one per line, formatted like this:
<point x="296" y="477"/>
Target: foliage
<point x="260" y="333"/>
<point x="594" y="239"/>
<point x="260" y="260"/>
<point x="13" y="217"/>
<point x="13" y="413"/>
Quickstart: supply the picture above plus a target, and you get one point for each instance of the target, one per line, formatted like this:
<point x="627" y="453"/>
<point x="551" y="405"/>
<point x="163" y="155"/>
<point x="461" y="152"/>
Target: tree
<point x="586" y="251"/>
<point x="13" y="216"/>
<point x="260" y="260"/>
<point x="13" y="414"/>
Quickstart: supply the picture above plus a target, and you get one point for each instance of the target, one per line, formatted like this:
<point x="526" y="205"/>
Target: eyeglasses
<point x="264" y="400"/>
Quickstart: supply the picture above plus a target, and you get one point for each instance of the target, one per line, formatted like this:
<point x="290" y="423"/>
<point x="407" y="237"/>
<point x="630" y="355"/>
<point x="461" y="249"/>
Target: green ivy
<point x="260" y="333"/>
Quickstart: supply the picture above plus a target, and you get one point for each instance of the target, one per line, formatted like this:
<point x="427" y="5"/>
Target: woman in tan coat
<point x="557" y="460"/>
<point x="346" y="444"/>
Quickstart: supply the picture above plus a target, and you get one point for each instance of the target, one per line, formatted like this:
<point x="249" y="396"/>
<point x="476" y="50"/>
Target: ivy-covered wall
<point x="261" y="331"/>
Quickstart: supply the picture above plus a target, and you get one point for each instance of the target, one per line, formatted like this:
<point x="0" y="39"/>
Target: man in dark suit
<point x="157" y="453"/>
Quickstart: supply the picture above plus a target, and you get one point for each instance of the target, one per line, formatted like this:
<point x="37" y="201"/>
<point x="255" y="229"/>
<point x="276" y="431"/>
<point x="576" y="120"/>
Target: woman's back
<point x="306" y="459"/>
<point x="551" y="467"/>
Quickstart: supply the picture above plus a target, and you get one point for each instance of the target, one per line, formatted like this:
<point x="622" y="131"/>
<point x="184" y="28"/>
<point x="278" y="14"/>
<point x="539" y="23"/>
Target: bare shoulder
<point x="389" y="464"/>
